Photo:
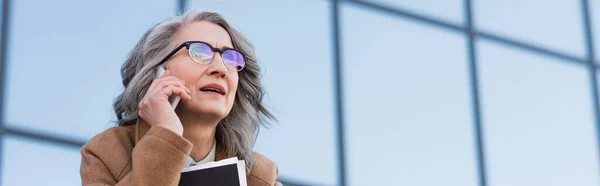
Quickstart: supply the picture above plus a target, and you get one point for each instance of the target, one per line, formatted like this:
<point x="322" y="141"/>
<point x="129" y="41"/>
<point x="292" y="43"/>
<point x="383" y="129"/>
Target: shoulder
<point x="264" y="170"/>
<point x="113" y="138"/>
<point x="113" y="148"/>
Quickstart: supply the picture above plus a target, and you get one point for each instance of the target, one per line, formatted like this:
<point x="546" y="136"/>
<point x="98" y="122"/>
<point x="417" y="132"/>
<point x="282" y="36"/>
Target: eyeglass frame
<point x="219" y="50"/>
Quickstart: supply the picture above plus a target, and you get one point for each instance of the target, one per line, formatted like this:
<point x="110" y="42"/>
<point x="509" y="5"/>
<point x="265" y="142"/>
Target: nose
<point x="216" y="67"/>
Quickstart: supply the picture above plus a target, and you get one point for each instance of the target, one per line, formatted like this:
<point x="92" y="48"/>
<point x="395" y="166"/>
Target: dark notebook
<point x="228" y="172"/>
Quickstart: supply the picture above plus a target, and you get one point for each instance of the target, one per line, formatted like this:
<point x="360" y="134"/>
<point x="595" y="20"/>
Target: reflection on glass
<point x="64" y="61"/>
<point x="448" y="10"/>
<point x="292" y="42"/>
<point x="594" y="10"/>
<point x="537" y="118"/>
<point x="1" y="21"/>
<point x="408" y="114"/>
<point x="556" y="25"/>
<point x="26" y="162"/>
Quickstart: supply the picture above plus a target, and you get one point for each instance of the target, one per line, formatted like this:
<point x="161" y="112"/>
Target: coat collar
<point x="141" y="128"/>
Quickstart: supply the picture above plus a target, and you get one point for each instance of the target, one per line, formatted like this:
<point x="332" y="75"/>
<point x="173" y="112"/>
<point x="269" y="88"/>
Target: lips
<point x="216" y="88"/>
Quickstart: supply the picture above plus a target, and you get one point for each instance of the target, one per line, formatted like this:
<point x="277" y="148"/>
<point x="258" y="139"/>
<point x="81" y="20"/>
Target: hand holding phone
<point x="155" y="110"/>
<point x="173" y="99"/>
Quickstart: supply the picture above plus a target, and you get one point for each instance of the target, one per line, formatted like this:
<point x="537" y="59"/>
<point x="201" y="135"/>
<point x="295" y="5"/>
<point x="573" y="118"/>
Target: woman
<point x="213" y="69"/>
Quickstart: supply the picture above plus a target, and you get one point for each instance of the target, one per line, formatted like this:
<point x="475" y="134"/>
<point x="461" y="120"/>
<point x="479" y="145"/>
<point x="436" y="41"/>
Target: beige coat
<point x="143" y="156"/>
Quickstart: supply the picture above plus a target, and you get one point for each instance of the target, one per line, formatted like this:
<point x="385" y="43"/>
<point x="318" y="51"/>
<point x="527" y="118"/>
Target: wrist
<point x="175" y="128"/>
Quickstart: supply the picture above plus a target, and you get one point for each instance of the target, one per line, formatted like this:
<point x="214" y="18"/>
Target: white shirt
<point x="209" y="158"/>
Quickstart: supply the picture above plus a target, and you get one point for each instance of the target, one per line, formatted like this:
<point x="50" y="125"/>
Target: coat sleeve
<point x="157" y="159"/>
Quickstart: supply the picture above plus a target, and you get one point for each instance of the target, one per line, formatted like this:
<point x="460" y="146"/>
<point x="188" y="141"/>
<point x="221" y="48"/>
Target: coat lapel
<point x="221" y="155"/>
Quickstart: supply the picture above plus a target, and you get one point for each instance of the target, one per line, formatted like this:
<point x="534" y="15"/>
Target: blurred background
<point x="380" y="92"/>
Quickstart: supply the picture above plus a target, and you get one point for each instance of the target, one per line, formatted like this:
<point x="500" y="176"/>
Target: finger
<point x="171" y="90"/>
<point x="165" y="73"/>
<point x="174" y="82"/>
<point x="158" y="84"/>
<point x="153" y="85"/>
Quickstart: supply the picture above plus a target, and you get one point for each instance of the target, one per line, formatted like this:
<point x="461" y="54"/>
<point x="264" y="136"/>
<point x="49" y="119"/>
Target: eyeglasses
<point x="203" y="53"/>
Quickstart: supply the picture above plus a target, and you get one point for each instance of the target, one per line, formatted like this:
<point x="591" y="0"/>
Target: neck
<point x="201" y="133"/>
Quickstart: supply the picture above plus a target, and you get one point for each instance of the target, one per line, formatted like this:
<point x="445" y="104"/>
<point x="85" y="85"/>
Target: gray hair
<point x="237" y="132"/>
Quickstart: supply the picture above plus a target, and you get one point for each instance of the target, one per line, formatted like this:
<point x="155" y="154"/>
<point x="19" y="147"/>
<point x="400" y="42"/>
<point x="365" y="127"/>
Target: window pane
<point x="1" y="21"/>
<point x="293" y="45"/>
<point x="26" y="162"/>
<point x="448" y="10"/>
<point x="595" y="23"/>
<point x="551" y="24"/>
<point x="537" y="118"/>
<point x="65" y="57"/>
<point x="407" y="95"/>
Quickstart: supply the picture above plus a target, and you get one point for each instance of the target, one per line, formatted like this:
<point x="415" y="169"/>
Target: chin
<point x="218" y="111"/>
<point x="205" y="108"/>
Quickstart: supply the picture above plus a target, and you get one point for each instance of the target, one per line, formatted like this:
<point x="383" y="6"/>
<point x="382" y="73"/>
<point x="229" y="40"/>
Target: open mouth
<point x="213" y="88"/>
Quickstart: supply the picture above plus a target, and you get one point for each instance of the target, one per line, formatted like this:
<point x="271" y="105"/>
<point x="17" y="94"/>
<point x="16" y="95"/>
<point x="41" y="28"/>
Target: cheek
<point x="233" y="84"/>
<point x="185" y="70"/>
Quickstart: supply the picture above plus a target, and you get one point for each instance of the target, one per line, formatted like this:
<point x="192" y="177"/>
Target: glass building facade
<point x="367" y="92"/>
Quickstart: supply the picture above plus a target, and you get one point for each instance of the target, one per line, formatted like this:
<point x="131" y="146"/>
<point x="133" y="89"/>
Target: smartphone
<point x="173" y="99"/>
